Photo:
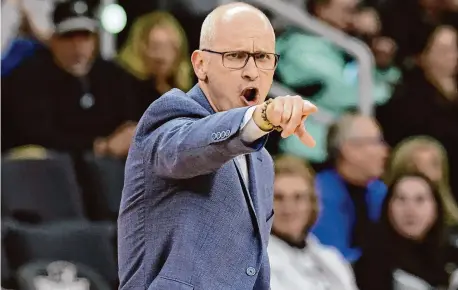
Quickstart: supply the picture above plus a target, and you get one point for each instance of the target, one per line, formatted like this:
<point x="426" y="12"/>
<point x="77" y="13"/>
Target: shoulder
<point x="176" y="103"/>
<point x="332" y="257"/>
<point x="378" y="188"/>
<point x="108" y="68"/>
<point x="172" y="105"/>
<point x="28" y="67"/>
<point x="326" y="175"/>
<point x="330" y="253"/>
<point x="326" y="179"/>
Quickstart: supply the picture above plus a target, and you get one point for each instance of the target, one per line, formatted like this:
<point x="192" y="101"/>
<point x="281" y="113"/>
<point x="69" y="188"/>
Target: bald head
<point x="231" y="15"/>
<point x="237" y="52"/>
<point x="348" y="126"/>
<point x="356" y="145"/>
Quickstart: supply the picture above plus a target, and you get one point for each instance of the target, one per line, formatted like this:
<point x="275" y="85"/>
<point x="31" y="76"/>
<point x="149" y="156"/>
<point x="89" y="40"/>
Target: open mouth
<point x="250" y="95"/>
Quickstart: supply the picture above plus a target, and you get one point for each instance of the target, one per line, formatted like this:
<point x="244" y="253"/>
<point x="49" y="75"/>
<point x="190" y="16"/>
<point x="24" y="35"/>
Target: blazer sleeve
<point x="180" y="139"/>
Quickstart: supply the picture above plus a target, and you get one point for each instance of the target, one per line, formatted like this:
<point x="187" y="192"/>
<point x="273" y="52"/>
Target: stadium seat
<point x="83" y="242"/>
<point x="35" y="190"/>
<point x="107" y="175"/>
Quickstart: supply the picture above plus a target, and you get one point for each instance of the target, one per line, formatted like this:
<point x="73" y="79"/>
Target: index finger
<point x="304" y="136"/>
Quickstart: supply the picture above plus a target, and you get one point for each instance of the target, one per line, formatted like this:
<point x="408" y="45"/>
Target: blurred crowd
<point x="373" y="206"/>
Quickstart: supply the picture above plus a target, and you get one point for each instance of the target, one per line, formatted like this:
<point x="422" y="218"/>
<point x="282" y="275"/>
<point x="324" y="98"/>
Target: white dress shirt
<point x="250" y="132"/>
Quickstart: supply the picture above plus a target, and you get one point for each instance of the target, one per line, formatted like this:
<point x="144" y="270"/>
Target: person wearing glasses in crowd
<point x="297" y="259"/>
<point x="351" y="192"/>
<point x="197" y="205"/>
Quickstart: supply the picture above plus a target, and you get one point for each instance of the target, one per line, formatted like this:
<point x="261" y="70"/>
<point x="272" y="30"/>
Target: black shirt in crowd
<point x="145" y="93"/>
<point x="44" y="105"/>
<point x="362" y="222"/>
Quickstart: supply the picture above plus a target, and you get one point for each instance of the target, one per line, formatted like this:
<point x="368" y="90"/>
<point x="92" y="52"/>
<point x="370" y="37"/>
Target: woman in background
<point x="408" y="250"/>
<point x="427" y="101"/>
<point x="297" y="259"/>
<point x="156" y="55"/>
<point x="425" y="154"/>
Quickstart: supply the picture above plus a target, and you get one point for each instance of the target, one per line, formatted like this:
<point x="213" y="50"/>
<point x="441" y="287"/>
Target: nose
<point x="410" y="208"/>
<point x="250" y="72"/>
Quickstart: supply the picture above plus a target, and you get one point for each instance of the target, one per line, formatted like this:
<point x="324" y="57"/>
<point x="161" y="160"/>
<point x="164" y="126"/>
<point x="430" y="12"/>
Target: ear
<point x="344" y="149"/>
<point x="200" y="65"/>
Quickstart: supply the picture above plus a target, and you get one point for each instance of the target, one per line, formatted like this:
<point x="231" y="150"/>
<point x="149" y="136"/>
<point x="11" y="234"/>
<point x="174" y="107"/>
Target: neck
<point x="352" y="174"/>
<point x="297" y="241"/>
<point x="204" y="88"/>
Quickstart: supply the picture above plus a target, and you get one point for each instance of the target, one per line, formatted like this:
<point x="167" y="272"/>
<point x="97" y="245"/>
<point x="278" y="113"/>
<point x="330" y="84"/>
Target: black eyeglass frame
<point x="250" y="54"/>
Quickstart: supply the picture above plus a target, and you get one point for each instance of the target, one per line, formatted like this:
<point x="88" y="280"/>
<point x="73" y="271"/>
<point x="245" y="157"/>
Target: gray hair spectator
<point x="316" y="68"/>
<point x="351" y="193"/>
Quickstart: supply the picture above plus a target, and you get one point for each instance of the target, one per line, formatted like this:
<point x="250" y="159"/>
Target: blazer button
<point x="250" y="271"/>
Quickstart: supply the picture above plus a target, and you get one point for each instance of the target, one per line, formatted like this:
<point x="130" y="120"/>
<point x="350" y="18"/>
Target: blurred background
<point x="77" y="76"/>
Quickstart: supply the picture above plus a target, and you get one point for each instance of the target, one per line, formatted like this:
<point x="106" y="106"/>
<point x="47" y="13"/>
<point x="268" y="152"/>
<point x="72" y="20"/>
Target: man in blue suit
<point x="196" y="210"/>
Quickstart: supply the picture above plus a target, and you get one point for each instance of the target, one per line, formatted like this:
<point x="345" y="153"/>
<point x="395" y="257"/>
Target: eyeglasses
<point x="368" y="140"/>
<point x="239" y="59"/>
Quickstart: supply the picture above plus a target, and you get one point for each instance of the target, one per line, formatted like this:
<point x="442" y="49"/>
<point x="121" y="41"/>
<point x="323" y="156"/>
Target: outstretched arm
<point x="183" y="145"/>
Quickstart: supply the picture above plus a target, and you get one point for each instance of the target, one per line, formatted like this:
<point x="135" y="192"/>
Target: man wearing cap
<point x="66" y="97"/>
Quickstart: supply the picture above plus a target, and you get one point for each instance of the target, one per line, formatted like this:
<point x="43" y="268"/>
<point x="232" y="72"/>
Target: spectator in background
<point x="297" y="259"/>
<point x="68" y="98"/>
<point x="386" y="74"/>
<point x="313" y="66"/>
<point x="26" y="26"/>
<point x="156" y="55"/>
<point x="428" y="156"/>
<point x="422" y="15"/>
<point x="351" y="193"/>
<point x="407" y="249"/>
<point x="316" y="68"/>
<point x="427" y="102"/>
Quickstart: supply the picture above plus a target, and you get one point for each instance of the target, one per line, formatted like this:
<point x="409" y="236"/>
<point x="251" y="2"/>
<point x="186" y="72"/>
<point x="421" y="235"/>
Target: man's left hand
<point x="119" y="142"/>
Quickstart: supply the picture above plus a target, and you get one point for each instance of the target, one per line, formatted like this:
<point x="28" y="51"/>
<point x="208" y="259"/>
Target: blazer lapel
<point x="253" y="161"/>
<point x="247" y="191"/>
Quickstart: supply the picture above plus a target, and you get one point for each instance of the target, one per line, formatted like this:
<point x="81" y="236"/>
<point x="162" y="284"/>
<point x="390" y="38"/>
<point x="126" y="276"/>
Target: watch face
<point x="87" y="101"/>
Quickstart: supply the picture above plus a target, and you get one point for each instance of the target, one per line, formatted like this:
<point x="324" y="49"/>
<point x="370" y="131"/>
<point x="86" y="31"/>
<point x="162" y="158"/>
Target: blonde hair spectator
<point x="403" y="160"/>
<point x="291" y="165"/>
<point x="295" y="254"/>
<point x="132" y="55"/>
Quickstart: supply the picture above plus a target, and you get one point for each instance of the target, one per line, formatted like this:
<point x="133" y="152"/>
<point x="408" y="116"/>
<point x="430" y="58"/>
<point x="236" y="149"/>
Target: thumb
<point x="304" y="136"/>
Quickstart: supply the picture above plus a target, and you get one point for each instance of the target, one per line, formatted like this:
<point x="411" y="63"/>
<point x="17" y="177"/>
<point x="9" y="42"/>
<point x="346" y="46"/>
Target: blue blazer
<point x="187" y="220"/>
<point x="337" y="213"/>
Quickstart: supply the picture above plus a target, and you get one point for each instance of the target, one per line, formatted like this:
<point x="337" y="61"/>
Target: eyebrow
<point x="245" y="50"/>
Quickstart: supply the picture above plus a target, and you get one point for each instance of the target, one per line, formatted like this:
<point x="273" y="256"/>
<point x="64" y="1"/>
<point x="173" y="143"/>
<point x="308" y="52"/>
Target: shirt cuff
<point x="250" y="132"/>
